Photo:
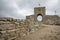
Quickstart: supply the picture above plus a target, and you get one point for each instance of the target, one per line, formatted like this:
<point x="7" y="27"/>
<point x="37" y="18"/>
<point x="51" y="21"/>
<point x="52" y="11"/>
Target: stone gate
<point x="46" y="19"/>
<point x="39" y="11"/>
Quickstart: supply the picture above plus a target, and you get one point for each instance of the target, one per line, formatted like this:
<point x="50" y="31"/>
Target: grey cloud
<point x="30" y="3"/>
<point x="15" y="8"/>
<point x="6" y="10"/>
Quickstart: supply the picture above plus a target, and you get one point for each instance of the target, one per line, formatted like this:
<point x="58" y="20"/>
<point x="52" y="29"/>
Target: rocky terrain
<point x="50" y="32"/>
<point x="16" y="29"/>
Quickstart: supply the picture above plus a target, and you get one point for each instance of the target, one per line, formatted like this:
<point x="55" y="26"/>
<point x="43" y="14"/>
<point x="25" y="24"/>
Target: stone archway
<point x="39" y="17"/>
<point x="39" y="11"/>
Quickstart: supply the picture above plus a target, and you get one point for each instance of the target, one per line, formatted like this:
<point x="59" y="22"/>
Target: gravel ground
<point x="50" y="32"/>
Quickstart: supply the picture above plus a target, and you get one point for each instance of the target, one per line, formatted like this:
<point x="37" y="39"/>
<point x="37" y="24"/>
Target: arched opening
<point x="39" y="17"/>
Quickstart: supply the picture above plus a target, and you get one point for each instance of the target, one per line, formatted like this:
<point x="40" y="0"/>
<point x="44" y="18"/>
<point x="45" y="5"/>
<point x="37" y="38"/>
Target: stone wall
<point x="9" y="28"/>
<point x="16" y="29"/>
<point x="47" y="19"/>
<point x="51" y="19"/>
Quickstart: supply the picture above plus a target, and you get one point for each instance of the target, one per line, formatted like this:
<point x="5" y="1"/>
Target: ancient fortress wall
<point x="15" y="29"/>
<point x="51" y="19"/>
<point x="9" y="28"/>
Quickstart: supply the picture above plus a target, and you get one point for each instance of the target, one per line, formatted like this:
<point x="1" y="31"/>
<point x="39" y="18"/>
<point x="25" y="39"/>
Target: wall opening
<point x="39" y="17"/>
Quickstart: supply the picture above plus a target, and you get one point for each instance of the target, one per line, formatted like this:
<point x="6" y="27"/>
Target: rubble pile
<point x="15" y="29"/>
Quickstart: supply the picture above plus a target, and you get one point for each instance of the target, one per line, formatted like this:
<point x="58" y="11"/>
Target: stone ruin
<point x="16" y="29"/>
<point x="46" y="19"/>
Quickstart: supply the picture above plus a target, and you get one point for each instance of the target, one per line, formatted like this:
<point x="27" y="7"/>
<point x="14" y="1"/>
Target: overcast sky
<point x="22" y="8"/>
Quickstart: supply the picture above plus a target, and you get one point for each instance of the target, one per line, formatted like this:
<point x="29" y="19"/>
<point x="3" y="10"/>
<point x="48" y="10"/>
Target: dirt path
<point x="50" y="32"/>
